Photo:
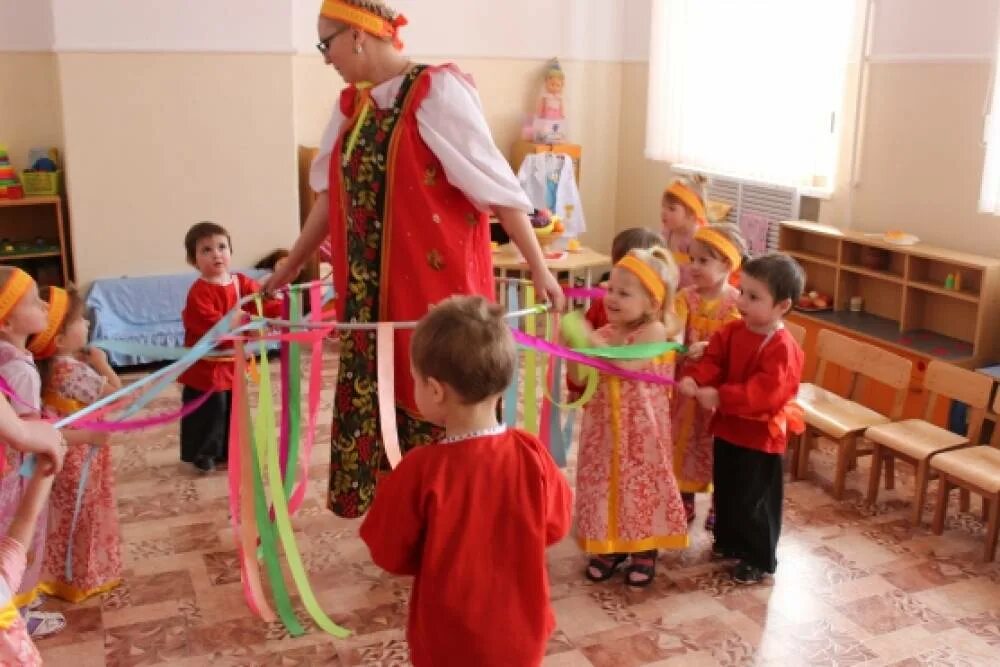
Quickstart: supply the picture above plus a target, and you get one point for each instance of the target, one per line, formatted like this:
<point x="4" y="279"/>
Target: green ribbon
<point x="294" y="397"/>
<point x="280" y="505"/>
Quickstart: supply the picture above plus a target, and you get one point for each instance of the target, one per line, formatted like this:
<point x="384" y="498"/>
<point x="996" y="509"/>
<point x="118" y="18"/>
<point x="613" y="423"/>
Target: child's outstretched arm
<point x="35" y="437"/>
<point x="22" y="528"/>
<point x="83" y="436"/>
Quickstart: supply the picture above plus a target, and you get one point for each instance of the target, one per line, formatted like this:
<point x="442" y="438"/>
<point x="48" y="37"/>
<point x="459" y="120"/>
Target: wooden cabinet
<point x="33" y="236"/>
<point x="908" y="301"/>
<point x="306" y="199"/>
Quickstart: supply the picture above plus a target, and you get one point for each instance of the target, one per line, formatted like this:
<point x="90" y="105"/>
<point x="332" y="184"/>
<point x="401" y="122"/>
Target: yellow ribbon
<point x="364" y="104"/>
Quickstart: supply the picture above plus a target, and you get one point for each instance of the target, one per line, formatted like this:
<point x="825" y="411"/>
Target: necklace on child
<point x="481" y="433"/>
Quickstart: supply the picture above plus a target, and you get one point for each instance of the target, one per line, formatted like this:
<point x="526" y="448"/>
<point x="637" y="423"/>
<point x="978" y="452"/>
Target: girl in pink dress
<point x="703" y="307"/>
<point x="627" y="501"/>
<point x="22" y="314"/>
<point x="72" y="379"/>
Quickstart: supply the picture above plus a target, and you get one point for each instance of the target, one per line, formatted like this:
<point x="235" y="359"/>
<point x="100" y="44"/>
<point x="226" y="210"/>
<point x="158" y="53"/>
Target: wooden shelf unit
<point x="905" y="302"/>
<point x="23" y="221"/>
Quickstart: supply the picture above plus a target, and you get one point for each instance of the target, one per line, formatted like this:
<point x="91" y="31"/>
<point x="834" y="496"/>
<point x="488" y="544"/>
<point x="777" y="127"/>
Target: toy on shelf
<point x="43" y="177"/>
<point x="550" y="116"/>
<point x="10" y="187"/>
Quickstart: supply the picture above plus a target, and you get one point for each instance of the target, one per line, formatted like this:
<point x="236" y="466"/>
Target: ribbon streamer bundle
<point x="268" y="465"/>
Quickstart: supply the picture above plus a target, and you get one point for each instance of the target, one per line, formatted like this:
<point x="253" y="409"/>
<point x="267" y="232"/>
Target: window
<point x="750" y="89"/>
<point x="989" y="193"/>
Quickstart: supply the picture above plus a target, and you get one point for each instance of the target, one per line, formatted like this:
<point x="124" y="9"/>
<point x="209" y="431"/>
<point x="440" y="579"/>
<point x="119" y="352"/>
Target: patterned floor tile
<point x="855" y="584"/>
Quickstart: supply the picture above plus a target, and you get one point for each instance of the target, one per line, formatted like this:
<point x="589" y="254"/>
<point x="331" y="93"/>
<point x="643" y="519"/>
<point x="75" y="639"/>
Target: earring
<point x="357" y="49"/>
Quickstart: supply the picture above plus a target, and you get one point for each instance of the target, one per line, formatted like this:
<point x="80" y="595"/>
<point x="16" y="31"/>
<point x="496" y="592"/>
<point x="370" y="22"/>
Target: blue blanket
<point x="143" y="309"/>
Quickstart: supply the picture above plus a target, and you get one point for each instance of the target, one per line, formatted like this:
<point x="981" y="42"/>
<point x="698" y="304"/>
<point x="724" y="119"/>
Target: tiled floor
<point x="854" y="586"/>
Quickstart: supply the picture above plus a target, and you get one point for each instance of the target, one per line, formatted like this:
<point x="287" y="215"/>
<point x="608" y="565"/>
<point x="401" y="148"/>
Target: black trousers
<point x="749" y="489"/>
<point x="205" y="432"/>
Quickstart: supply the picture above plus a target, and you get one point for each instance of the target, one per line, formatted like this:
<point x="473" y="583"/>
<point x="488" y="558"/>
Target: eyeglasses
<point x="323" y="45"/>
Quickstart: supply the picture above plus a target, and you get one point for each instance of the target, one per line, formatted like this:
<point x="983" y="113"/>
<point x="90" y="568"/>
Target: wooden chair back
<point x="949" y="382"/>
<point x="798" y="332"/>
<point x="839" y="350"/>
<point x="892" y="370"/>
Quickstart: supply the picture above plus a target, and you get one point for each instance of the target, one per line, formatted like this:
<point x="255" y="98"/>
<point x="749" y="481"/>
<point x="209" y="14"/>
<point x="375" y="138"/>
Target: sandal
<point x="43" y="624"/>
<point x="642" y="570"/>
<point x="601" y="568"/>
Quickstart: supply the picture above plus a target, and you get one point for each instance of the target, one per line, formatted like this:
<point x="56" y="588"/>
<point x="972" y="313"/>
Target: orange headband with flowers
<point x="370" y="22"/>
<point x="43" y="345"/>
<point x="13" y="290"/>
<point x="718" y="241"/>
<point x="690" y="199"/>
<point x="646" y="276"/>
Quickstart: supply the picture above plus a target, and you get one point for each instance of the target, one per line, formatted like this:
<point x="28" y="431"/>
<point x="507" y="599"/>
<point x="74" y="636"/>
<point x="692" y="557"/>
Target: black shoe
<point x="745" y="573"/>
<point x="204" y="464"/>
<point x="718" y="553"/>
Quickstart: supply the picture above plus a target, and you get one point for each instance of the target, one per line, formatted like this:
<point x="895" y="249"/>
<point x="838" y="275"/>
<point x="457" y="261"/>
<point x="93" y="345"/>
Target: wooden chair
<point x="917" y="440"/>
<point x="798" y="332"/>
<point x="976" y="470"/>
<point x="841" y="419"/>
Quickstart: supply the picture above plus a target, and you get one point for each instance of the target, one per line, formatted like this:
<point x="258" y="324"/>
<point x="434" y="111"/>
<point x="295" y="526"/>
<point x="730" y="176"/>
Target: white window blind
<point x="751" y="89"/>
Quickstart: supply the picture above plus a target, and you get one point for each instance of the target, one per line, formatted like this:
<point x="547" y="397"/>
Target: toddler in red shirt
<point x="205" y="432"/>
<point x="748" y="376"/>
<point x="470" y="516"/>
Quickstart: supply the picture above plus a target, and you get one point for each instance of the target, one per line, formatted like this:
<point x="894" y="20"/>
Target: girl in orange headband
<point x="682" y="212"/>
<point x="72" y="378"/>
<point x="706" y="305"/>
<point x="23" y="313"/>
<point x="627" y="501"/>
<point x="23" y="503"/>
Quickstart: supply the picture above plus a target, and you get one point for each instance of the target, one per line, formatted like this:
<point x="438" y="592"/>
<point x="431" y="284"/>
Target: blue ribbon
<point x="510" y="395"/>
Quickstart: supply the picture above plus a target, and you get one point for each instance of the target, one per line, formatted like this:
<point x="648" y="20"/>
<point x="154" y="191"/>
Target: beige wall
<point x="156" y="142"/>
<point x="508" y="89"/>
<point x="641" y="180"/>
<point x="921" y="156"/>
<point x="30" y="106"/>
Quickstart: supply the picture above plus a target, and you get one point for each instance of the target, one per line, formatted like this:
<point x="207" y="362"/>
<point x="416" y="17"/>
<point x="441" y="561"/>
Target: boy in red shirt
<point x="748" y="375"/>
<point x="205" y="432"/>
<point x="470" y="516"/>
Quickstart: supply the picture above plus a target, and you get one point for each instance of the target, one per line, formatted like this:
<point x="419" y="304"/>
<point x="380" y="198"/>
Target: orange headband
<point x="712" y="238"/>
<point x="646" y="276"/>
<point x="43" y="345"/>
<point x="690" y="199"/>
<point x="339" y="10"/>
<point x="12" y="291"/>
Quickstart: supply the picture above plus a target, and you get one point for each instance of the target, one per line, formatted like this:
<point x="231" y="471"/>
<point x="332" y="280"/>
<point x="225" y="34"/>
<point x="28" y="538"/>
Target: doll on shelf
<point x="550" y="116"/>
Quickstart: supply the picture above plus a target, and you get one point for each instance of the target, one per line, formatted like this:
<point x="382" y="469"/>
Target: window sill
<point x="814" y="192"/>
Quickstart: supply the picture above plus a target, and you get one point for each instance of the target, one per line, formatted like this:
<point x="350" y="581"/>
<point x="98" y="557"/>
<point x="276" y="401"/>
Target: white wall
<point x="931" y="29"/>
<point x="233" y="26"/>
<point x="528" y="29"/>
<point x="25" y="25"/>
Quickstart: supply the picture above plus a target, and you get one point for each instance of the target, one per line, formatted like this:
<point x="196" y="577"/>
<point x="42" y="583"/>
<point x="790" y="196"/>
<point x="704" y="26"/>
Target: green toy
<point x="573" y="327"/>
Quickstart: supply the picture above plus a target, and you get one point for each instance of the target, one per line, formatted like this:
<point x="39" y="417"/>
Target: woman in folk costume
<point x="407" y="174"/>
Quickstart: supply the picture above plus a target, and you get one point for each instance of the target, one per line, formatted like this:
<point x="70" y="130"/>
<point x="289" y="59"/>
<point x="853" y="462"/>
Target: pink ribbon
<point x="315" y="380"/>
<point x="600" y="364"/>
<point x="386" y="382"/>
